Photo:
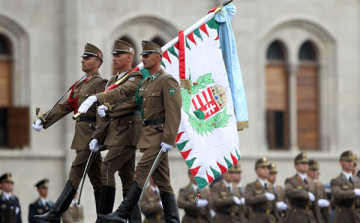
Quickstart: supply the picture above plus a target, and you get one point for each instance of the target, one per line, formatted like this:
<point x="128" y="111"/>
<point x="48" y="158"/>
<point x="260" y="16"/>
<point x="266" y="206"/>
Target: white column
<point x="292" y="71"/>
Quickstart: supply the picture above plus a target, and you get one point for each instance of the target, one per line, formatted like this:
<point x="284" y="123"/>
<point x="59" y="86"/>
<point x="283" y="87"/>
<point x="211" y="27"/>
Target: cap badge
<point x="158" y="50"/>
<point x="273" y="165"/>
<point x="130" y="49"/>
<point x="264" y="159"/>
<point x="99" y="54"/>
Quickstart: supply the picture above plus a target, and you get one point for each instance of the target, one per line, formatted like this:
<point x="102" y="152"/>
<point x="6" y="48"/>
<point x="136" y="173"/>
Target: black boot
<point x="97" y="195"/>
<point x="170" y="206"/>
<point x="106" y="201"/>
<point x="125" y="208"/>
<point x="135" y="216"/>
<point x="60" y="206"/>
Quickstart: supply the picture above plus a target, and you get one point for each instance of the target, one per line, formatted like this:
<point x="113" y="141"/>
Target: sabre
<point x="57" y="102"/>
<point x="84" y="175"/>
<point x="151" y="171"/>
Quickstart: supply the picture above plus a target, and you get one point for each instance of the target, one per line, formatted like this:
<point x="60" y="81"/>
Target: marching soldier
<point x="225" y="200"/>
<point x="279" y="191"/>
<point x="199" y="213"/>
<point x="260" y="196"/>
<point x="120" y="128"/>
<point x="42" y="205"/>
<point x="84" y="128"/>
<point x="244" y="211"/>
<point x="318" y="189"/>
<point x="345" y="192"/>
<point x="151" y="205"/>
<point x="74" y="214"/>
<point x="303" y="207"/>
<point x="160" y="101"/>
<point x="10" y="207"/>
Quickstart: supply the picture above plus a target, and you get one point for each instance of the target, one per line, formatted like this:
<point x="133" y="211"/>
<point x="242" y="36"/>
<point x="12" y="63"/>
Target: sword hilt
<point x="76" y="115"/>
<point x="37" y="114"/>
<point x="107" y="104"/>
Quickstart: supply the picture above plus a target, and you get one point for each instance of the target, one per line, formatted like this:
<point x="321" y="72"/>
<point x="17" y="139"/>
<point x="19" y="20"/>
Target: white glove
<point x="323" y="203"/>
<point x="311" y="196"/>
<point x="17" y="210"/>
<point x="166" y="147"/>
<point x="202" y="203"/>
<point x="102" y="110"/>
<point x="161" y="204"/>
<point x="237" y="200"/>
<point x="84" y="107"/>
<point x="94" y="145"/>
<point x="242" y="200"/>
<point x="212" y="213"/>
<point x="281" y="205"/>
<point x="269" y="196"/>
<point x="37" y="125"/>
<point x="357" y="191"/>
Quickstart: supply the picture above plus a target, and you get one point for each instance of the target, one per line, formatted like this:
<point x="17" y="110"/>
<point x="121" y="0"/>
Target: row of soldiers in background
<point x="10" y="205"/>
<point x="303" y="200"/>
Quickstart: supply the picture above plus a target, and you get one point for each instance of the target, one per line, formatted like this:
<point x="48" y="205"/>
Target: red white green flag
<point x="207" y="138"/>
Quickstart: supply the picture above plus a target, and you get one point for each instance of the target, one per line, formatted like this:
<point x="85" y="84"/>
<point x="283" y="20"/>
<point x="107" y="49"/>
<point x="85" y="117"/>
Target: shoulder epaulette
<point x="167" y="76"/>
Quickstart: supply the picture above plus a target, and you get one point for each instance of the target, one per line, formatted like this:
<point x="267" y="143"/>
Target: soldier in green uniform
<point x="160" y="101"/>
<point x="244" y="210"/>
<point x="345" y="192"/>
<point x="42" y="205"/>
<point x="303" y="208"/>
<point x="282" y="201"/>
<point x="74" y="214"/>
<point x="260" y="196"/>
<point x="84" y="128"/>
<point x="318" y="189"/>
<point x="118" y="129"/>
<point x="199" y="213"/>
<point x="151" y="205"/>
<point x="225" y="200"/>
<point x="10" y="211"/>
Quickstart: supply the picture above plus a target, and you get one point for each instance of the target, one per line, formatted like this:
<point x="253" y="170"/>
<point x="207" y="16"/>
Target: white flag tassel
<point x="232" y="64"/>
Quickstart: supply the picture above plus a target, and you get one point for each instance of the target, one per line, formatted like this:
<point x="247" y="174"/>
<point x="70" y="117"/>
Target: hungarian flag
<point x="208" y="133"/>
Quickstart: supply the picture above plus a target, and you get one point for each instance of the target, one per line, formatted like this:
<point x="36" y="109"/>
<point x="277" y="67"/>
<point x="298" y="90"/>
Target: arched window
<point x="277" y="106"/>
<point x="308" y="98"/>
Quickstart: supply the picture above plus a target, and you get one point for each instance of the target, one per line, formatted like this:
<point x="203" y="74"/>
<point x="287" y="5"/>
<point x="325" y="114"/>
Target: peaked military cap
<point x="6" y="177"/>
<point x="272" y="168"/>
<point x="261" y="163"/>
<point x="347" y="156"/>
<point x="301" y="158"/>
<point x="354" y="160"/>
<point x="42" y="183"/>
<point x="313" y="164"/>
<point x="150" y="47"/>
<point x="92" y="51"/>
<point x="121" y="46"/>
<point x="235" y="169"/>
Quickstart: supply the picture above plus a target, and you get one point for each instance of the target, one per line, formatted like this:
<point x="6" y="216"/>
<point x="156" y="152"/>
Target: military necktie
<point x="266" y="186"/>
<point x="305" y="180"/>
<point x="229" y="189"/>
<point x="351" y="180"/>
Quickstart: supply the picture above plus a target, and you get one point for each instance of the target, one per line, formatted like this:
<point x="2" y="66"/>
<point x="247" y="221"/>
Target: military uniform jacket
<point x="8" y="209"/>
<point x="244" y="209"/>
<point x="346" y="202"/>
<point x="74" y="214"/>
<point x="38" y="208"/>
<point x="83" y="130"/>
<point x="262" y="209"/>
<point x="161" y="99"/>
<point x="222" y="202"/>
<point x="301" y="208"/>
<point x="151" y="208"/>
<point x="318" y="189"/>
<point x="193" y="214"/>
<point x="123" y="131"/>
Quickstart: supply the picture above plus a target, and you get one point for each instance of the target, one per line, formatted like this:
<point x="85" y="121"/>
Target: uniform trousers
<point x="161" y="174"/>
<point x="78" y="167"/>
<point x="121" y="159"/>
